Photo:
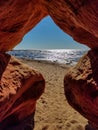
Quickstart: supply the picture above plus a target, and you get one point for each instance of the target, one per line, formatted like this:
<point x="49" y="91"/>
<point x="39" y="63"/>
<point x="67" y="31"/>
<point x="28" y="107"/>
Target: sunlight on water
<point x="63" y="56"/>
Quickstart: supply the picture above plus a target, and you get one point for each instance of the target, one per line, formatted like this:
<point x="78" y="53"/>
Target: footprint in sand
<point x="45" y="128"/>
<point x="74" y="125"/>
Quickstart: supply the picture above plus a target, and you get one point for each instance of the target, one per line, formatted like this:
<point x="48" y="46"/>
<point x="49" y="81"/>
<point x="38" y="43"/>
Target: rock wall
<point x="16" y="19"/>
<point x="81" y="87"/>
<point x="78" y="18"/>
<point x="20" y="87"/>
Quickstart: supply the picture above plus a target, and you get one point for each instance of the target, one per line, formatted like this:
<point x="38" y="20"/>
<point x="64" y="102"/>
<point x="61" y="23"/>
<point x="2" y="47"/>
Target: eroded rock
<point x="81" y="87"/>
<point x="20" y="87"/>
<point x="78" y="18"/>
<point x="16" y="19"/>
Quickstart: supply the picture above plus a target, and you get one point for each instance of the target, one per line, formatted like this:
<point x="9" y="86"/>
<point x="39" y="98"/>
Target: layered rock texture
<point x="78" y="18"/>
<point x="81" y="87"/>
<point x="16" y="19"/>
<point x="20" y="87"/>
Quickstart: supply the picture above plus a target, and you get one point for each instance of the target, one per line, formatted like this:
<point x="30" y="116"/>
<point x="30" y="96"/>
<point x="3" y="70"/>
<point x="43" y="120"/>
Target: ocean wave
<point x="62" y="56"/>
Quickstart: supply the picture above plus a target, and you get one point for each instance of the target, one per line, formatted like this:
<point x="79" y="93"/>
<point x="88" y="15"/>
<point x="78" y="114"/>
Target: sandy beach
<point x="52" y="110"/>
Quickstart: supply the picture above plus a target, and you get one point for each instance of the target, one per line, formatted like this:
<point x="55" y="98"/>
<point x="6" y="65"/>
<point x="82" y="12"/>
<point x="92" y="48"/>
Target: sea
<point x="61" y="56"/>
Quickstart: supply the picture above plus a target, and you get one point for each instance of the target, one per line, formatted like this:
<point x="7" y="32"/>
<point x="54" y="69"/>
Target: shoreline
<point x="68" y="65"/>
<point x="52" y="110"/>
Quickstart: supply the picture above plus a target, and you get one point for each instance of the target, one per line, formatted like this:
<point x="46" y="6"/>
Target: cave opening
<point x="47" y="35"/>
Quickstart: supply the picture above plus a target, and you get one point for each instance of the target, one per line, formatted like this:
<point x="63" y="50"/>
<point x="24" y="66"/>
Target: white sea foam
<point x="64" y="56"/>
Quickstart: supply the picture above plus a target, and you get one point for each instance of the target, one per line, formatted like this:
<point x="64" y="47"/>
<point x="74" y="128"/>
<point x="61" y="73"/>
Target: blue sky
<point x="47" y="35"/>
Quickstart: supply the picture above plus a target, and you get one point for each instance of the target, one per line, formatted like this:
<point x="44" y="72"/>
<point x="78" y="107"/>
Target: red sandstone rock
<point x="77" y="18"/>
<point x="81" y="87"/>
<point x="16" y="19"/>
<point x="20" y="87"/>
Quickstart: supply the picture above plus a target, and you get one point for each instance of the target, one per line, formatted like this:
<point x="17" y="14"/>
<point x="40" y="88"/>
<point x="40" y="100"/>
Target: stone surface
<point x="20" y="87"/>
<point x="78" y="18"/>
<point x="10" y="123"/>
<point x="81" y="87"/>
<point x="16" y="19"/>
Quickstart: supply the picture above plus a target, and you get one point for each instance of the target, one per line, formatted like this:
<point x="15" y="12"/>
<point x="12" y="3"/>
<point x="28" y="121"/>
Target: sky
<point x="47" y="35"/>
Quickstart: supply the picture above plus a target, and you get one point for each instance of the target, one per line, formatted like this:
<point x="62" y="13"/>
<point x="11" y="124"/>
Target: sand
<point x="52" y="110"/>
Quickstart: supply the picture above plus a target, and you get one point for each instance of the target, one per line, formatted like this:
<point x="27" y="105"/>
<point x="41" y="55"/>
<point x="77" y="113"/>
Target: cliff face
<point x="81" y="87"/>
<point x="78" y="18"/>
<point x="20" y="87"/>
<point x="16" y="19"/>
